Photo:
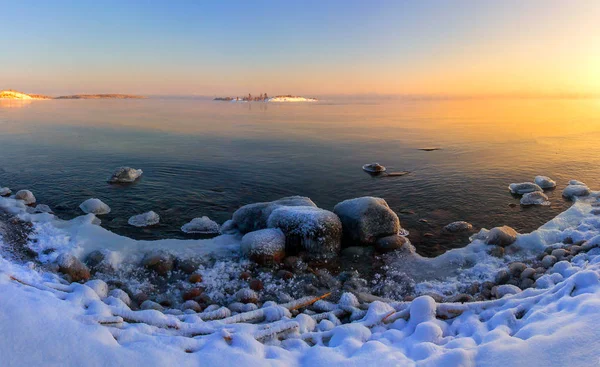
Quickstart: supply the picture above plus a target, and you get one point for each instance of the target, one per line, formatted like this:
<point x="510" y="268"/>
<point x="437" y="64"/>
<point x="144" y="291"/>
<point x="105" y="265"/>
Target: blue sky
<point x="234" y="47"/>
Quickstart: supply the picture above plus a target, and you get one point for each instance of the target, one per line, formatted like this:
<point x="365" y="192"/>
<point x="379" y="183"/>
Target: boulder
<point x="307" y="228"/>
<point x="390" y="243"/>
<point x="523" y="188"/>
<point x="460" y="226"/>
<point x="253" y="217"/>
<point x="125" y="175"/>
<point x="264" y="246"/>
<point x="572" y="191"/>
<point x="159" y="262"/>
<point x="144" y="220"/>
<point x="202" y="225"/>
<point x="366" y="219"/>
<point x="71" y="266"/>
<point x="41" y="208"/>
<point x="501" y="236"/>
<point x="94" y="206"/>
<point x="544" y="182"/>
<point x="535" y="198"/>
<point x="26" y="196"/>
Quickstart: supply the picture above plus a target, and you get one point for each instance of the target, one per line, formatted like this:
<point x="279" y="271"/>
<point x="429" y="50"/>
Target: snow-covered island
<point x="14" y="95"/>
<point x="261" y="292"/>
<point x="263" y="97"/>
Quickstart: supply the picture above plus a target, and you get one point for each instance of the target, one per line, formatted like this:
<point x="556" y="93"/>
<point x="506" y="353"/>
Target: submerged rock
<point x="125" y="175"/>
<point x="390" y="243"/>
<point x="501" y="236"/>
<point x="544" y="182"/>
<point x="264" y="246"/>
<point x="42" y="208"/>
<point x="94" y="206"/>
<point x="203" y="225"/>
<point x="253" y="217"/>
<point x="144" y="220"/>
<point x="366" y="219"/>
<point x="535" y="198"/>
<point x="523" y="188"/>
<point x="460" y="226"/>
<point x="71" y="266"/>
<point x="26" y="196"/>
<point x="307" y="228"/>
<point x="575" y="190"/>
<point x="5" y="191"/>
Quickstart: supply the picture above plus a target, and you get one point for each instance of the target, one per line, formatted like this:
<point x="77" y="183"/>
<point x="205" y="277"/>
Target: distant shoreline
<point x="20" y="96"/>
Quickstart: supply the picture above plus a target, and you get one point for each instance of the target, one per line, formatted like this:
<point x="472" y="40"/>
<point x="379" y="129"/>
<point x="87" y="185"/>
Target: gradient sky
<point x="304" y="47"/>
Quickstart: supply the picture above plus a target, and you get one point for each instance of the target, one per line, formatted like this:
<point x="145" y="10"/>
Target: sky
<point x="427" y="47"/>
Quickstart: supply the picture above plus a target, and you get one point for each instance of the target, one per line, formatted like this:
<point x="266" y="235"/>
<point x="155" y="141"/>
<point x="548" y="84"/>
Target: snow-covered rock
<point x="307" y="228"/>
<point x="159" y="261"/>
<point x="576" y="182"/>
<point x="544" y="182"/>
<point x="535" y="198"/>
<point x="575" y="189"/>
<point x="253" y="217"/>
<point x="203" y="225"/>
<point x="125" y="175"/>
<point x="505" y="289"/>
<point x="144" y="220"/>
<point x="26" y="196"/>
<point x="42" y="208"/>
<point x="264" y="246"/>
<point x="70" y="265"/>
<point x="459" y="226"/>
<point x="501" y="236"/>
<point x="366" y="219"/>
<point x="5" y="191"/>
<point x="94" y="206"/>
<point x="523" y="188"/>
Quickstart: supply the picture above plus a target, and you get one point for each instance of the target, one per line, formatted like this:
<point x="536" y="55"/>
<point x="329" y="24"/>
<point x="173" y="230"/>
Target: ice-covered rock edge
<point x="552" y="326"/>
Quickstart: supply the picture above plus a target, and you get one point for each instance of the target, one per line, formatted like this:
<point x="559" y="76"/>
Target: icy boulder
<point x="535" y="198"/>
<point x="203" y="225"/>
<point x="501" y="236"/>
<point x="26" y="196"/>
<point x="94" y="206"/>
<point x="71" y="266"/>
<point x="264" y="246"/>
<point x="460" y="226"/>
<point x="125" y="175"/>
<point x="5" y="191"/>
<point x="144" y="220"/>
<point x="544" y="182"/>
<point x="317" y="231"/>
<point x="366" y="219"/>
<point x="575" y="189"/>
<point x="523" y="188"/>
<point x="253" y="217"/>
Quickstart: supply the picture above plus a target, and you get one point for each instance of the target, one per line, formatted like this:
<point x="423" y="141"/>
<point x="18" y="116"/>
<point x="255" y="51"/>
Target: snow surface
<point x="46" y="322"/>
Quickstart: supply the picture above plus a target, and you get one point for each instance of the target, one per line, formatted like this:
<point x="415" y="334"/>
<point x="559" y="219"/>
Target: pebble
<point x="120" y="294"/>
<point x="501" y="236"/>
<point x="245" y="275"/>
<point x="548" y="261"/>
<point x="528" y="273"/>
<point x="256" y="285"/>
<point x="503" y="290"/>
<point x="191" y="305"/>
<point x="526" y="283"/>
<point x="151" y="305"/>
<point x="496" y="251"/>
<point x="284" y="274"/>
<point x="195" y="278"/>
<point x="246" y="295"/>
<point x="559" y="253"/>
<point x="192" y="293"/>
<point x="502" y="277"/>
<point x="516" y="268"/>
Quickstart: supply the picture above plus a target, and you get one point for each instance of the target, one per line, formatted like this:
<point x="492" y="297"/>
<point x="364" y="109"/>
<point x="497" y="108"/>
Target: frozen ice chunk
<point x="94" y="206"/>
<point x="460" y="226"/>
<point x="523" y="188"/>
<point x="544" y="182"/>
<point x="572" y="191"/>
<point x="203" y="225"/>
<point x="144" y="220"/>
<point x="26" y="196"/>
<point x="5" y="191"/>
<point x="125" y="174"/>
<point x="535" y="198"/>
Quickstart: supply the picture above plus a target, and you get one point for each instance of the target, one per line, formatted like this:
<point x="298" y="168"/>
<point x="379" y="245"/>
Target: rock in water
<point x="501" y="236"/>
<point x="535" y="198"/>
<point x="576" y="182"/>
<point x="26" y="196"/>
<point x="373" y="168"/>
<point x="317" y="231"/>
<point x="144" y="220"/>
<point x="390" y="243"/>
<point x="125" y="175"/>
<point x="460" y="226"/>
<point x="544" y="182"/>
<point x="70" y="265"/>
<point x="42" y="208"/>
<point x="523" y="188"/>
<point x="575" y="190"/>
<point x="203" y="225"/>
<point x="5" y="191"/>
<point x="253" y="217"/>
<point x="159" y="261"/>
<point x="94" y="206"/>
<point x="366" y="219"/>
<point x="264" y="246"/>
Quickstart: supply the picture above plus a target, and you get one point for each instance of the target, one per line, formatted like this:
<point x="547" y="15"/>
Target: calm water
<point x="208" y="158"/>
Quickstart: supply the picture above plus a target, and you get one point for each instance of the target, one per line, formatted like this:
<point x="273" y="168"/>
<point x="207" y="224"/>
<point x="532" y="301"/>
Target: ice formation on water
<point x="373" y="168"/>
<point x="535" y="198"/>
<point x="460" y="226"/>
<point x="544" y="182"/>
<point x="5" y="191"/>
<point x="125" y="175"/>
<point x="523" y="188"/>
<point x="94" y="206"/>
<point x="202" y="225"/>
<point x="144" y="220"/>
<point x="550" y="324"/>
<point x="26" y="196"/>
<point x="575" y="189"/>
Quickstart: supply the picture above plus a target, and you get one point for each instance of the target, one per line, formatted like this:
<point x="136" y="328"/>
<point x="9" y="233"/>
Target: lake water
<point x="201" y="157"/>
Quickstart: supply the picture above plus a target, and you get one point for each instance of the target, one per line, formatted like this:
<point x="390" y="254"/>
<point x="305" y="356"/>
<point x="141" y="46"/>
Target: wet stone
<point x="516" y="268"/>
<point x="256" y="285"/>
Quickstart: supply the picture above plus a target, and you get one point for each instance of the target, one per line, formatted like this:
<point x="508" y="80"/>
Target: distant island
<point x="265" y="98"/>
<point x="13" y="94"/>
